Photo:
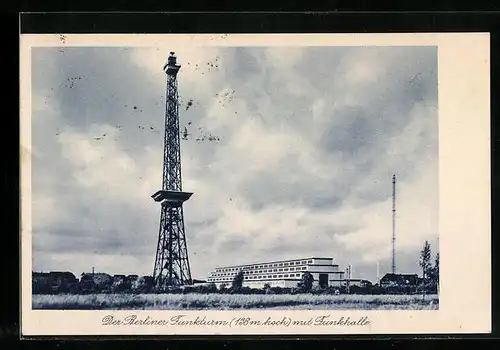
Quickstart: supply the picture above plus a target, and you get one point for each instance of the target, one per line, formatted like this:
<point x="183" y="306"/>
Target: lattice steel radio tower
<point x="172" y="263"/>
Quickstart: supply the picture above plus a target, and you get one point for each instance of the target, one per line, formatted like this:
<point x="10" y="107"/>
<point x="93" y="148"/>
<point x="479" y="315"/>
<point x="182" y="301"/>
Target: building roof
<point x="398" y="277"/>
<point x="271" y="262"/>
<point x="62" y="274"/>
<point x="40" y="274"/>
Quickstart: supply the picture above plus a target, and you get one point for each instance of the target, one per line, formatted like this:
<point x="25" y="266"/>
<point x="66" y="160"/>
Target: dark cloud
<point x="245" y="65"/>
<point x="233" y="244"/>
<point x="357" y="133"/>
<point x="268" y="187"/>
<point x="107" y="92"/>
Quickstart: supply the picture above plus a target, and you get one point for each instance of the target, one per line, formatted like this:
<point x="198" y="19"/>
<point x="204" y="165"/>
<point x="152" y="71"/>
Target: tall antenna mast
<point x="393" y="223"/>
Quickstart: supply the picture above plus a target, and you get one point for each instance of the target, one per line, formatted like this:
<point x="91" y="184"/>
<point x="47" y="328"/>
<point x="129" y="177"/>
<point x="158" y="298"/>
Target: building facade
<point x="283" y="273"/>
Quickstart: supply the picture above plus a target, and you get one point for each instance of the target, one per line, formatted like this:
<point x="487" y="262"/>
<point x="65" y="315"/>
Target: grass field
<point x="232" y="301"/>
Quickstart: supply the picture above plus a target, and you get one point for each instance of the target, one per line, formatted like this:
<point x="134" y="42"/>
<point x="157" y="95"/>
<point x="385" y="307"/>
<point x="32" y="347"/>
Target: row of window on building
<point x="262" y="277"/>
<point x="264" y="271"/>
<point x="263" y="266"/>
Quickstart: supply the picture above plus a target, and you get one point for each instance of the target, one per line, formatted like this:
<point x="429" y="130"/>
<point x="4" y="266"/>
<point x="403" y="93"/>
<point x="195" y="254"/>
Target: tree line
<point x="56" y="283"/>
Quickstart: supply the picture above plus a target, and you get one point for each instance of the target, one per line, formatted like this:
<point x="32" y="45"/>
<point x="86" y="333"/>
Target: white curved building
<point x="283" y="273"/>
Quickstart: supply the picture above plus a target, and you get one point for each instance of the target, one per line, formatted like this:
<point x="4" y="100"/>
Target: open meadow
<point x="214" y="301"/>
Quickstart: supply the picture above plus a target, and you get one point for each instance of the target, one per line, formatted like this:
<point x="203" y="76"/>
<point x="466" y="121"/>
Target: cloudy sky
<point x="309" y="138"/>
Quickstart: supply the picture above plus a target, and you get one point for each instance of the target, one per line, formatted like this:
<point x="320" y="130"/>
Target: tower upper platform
<point x="171" y="67"/>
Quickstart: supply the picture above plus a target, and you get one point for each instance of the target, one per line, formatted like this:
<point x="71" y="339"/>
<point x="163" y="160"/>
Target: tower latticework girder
<point x="172" y="262"/>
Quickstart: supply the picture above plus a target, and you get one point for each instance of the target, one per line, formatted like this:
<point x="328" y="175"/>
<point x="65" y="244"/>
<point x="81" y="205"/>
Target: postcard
<point x="255" y="184"/>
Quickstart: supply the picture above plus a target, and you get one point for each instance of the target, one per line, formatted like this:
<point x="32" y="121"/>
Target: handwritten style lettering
<point x="235" y="322"/>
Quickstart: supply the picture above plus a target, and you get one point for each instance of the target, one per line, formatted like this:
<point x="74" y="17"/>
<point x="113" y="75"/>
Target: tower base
<point x="172" y="263"/>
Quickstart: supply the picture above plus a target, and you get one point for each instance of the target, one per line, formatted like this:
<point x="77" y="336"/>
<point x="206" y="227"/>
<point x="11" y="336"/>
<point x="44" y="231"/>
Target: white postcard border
<point x="464" y="195"/>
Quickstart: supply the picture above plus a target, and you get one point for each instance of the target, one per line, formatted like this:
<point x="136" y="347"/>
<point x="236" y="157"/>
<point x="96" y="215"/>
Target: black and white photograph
<point x="235" y="177"/>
